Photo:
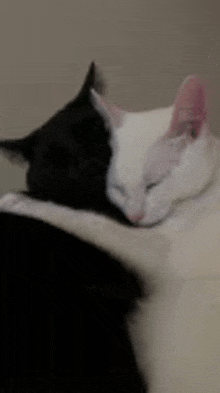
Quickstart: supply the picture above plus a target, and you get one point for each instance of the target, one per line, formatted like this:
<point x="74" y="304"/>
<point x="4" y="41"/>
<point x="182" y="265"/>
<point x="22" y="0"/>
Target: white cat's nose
<point x="135" y="218"/>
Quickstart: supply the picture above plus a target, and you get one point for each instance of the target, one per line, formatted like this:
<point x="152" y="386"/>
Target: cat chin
<point x="154" y="217"/>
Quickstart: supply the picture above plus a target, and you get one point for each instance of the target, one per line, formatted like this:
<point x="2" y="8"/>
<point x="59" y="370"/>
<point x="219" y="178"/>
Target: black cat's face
<point x="70" y="159"/>
<point x="69" y="155"/>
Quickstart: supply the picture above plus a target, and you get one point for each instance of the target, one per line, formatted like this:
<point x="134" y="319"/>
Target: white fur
<point x="118" y="240"/>
<point x="141" y="156"/>
<point x="157" y="148"/>
<point x="176" y="332"/>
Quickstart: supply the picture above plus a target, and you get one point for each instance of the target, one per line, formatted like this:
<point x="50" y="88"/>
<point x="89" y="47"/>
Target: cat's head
<point x="68" y="155"/>
<point x="160" y="157"/>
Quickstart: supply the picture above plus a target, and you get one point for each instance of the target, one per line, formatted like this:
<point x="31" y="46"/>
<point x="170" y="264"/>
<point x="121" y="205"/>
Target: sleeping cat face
<point x="159" y="157"/>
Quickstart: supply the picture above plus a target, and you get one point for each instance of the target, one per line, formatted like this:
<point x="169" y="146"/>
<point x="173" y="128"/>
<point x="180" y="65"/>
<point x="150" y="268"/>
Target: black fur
<point x="69" y="155"/>
<point x="65" y="301"/>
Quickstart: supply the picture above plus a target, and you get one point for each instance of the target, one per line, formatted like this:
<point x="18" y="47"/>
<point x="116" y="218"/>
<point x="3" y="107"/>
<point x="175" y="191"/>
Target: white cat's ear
<point x="190" y="108"/>
<point x="111" y="113"/>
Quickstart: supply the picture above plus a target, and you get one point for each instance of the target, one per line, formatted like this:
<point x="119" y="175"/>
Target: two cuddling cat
<point x="157" y="170"/>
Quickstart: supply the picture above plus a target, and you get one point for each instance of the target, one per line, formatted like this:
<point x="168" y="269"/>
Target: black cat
<point x="64" y="300"/>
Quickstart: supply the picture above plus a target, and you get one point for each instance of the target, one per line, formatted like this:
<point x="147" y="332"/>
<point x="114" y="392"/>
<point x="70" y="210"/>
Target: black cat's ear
<point x="19" y="150"/>
<point x="93" y="80"/>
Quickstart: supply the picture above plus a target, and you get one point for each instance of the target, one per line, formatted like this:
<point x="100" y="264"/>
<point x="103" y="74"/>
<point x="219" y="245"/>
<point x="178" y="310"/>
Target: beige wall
<point x="144" y="47"/>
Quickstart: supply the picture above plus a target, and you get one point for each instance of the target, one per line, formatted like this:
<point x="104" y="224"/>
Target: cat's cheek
<point x="155" y="211"/>
<point x="117" y="199"/>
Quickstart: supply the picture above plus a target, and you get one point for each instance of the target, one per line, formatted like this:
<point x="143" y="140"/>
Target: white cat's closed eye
<point x="150" y="185"/>
<point x="119" y="189"/>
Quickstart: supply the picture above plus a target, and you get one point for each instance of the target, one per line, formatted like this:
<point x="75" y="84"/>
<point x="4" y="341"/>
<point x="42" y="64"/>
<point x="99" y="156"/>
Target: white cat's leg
<point x="138" y="248"/>
<point x="176" y="333"/>
<point x="182" y="338"/>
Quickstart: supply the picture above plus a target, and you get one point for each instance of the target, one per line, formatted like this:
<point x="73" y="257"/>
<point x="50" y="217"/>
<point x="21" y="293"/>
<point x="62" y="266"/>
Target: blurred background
<point x="145" y="48"/>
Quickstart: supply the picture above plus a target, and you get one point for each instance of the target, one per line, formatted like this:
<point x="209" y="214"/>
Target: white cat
<point x="164" y="171"/>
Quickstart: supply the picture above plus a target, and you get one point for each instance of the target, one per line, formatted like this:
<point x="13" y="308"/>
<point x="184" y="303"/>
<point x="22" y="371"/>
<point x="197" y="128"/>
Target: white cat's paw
<point x="20" y="204"/>
<point x="9" y="201"/>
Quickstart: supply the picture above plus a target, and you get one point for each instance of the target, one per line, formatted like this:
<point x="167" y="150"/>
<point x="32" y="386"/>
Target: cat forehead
<point x="139" y="130"/>
<point x="132" y="141"/>
<point x="133" y="155"/>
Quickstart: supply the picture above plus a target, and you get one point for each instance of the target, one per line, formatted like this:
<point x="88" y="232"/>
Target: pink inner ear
<point x="190" y="104"/>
